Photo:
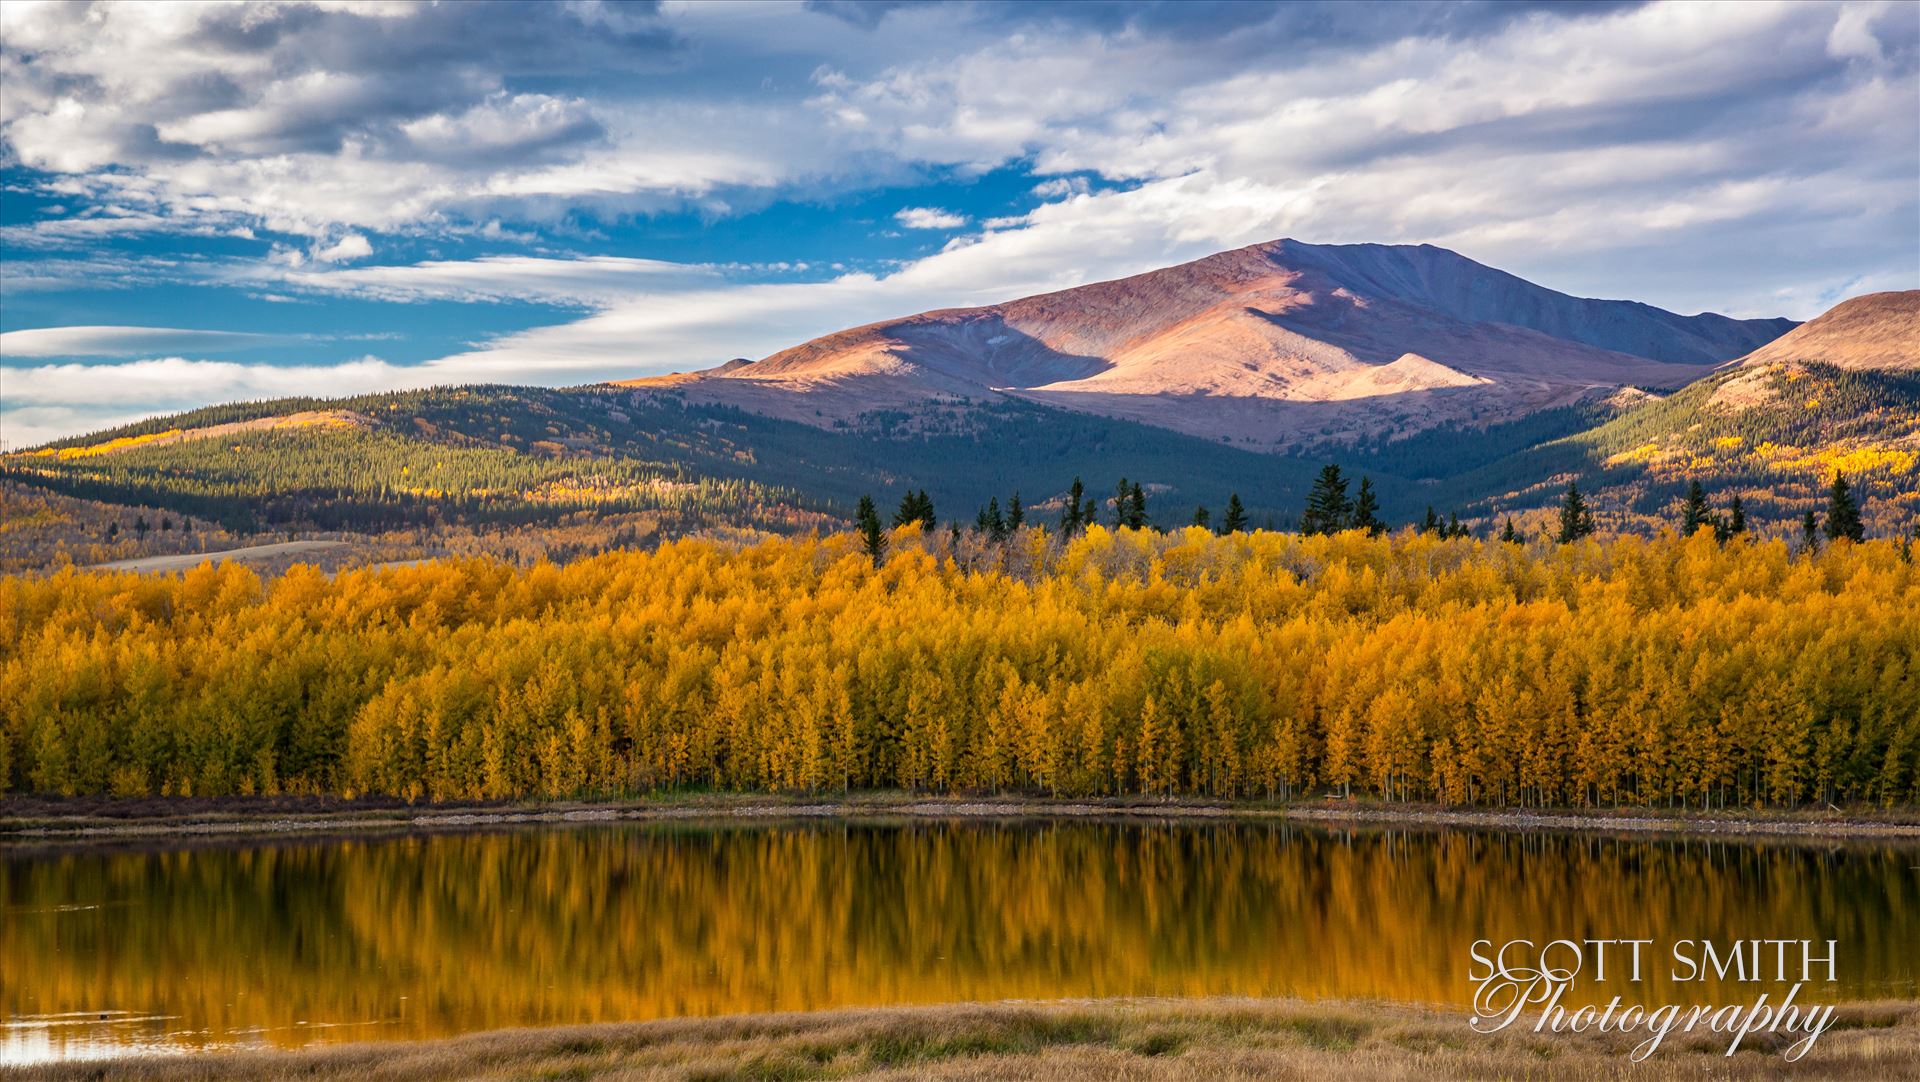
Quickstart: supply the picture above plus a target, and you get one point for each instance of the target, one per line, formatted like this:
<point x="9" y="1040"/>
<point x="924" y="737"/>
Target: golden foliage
<point x="1258" y="664"/>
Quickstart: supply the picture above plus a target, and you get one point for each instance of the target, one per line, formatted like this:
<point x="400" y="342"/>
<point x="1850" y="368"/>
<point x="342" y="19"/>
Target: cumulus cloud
<point x="929" y="218"/>
<point x="345" y="250"/>
<point x="1757" y="159"/>
<point x="309" y="116"/>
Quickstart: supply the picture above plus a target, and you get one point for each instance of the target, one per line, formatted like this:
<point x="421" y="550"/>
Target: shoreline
<point x="78" y="820"/>
<point x="1065" y="1040"/>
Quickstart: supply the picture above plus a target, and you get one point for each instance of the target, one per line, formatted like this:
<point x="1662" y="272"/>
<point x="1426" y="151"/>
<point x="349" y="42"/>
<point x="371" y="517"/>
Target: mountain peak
<point x="1265" y="346"/>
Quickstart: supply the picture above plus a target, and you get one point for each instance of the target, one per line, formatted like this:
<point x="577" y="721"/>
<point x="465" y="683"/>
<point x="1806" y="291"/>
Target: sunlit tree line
<point x="1122" y="661"/>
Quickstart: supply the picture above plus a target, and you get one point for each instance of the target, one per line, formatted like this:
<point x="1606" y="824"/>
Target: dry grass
<point x="1129" y="1039"/>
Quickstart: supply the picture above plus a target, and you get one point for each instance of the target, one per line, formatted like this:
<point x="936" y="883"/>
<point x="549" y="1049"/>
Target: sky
<point x="202" y="204"/>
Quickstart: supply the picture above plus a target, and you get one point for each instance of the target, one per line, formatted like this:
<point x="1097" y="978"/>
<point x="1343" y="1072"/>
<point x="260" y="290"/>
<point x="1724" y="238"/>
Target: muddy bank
<point x="56" y="819"/>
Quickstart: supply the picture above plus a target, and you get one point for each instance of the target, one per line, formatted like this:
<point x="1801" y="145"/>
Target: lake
<point x="295" y="941"/>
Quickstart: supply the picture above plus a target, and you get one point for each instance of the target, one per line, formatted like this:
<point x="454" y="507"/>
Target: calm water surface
<point x="388" y="938"/>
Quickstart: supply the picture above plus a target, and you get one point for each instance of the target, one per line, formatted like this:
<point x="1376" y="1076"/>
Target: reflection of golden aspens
<point x="443" y="934"/>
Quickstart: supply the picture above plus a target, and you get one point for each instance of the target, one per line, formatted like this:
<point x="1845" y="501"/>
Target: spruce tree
<point x="1736" y="517"/>
<point x="1576" y="519"/>
<point x="1121" y="493"/>
<point x="1073" y="517"/>
<point x="1137" y="507"/>
<point x="909" y="509"/>
<point x="1200" y="516"/>
<point x="1016" y="515"/>
<point x="1843" y="514"/>
<point x="1432" y="525"/>
<point x="1236" y="520"/>
<point x="1508" y="534"/>
<point x="1328" y="509"/>
<point x="1366" y="510"/>
<point x="1810" y="531"/>
<point x="871" y="537"/>
<point x="1693" y="509"/>
<point x="996" y="525"/>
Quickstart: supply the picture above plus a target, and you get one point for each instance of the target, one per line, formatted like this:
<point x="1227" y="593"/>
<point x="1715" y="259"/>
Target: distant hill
<point x="1270" y="347"/>
<point x="1877" y="331"/>
<point x="1839" y="394"/>
<point x="492" y="457"/>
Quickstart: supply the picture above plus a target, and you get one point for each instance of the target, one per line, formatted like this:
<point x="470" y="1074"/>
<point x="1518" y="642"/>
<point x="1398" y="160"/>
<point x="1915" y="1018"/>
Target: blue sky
<point x="206" y="203"/>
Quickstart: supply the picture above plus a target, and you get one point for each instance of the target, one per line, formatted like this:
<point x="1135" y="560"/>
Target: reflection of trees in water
<point x="484" y="931"/>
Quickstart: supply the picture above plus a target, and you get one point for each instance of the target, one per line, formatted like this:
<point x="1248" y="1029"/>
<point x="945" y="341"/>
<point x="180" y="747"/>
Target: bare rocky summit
<point x="1266" y="346"/>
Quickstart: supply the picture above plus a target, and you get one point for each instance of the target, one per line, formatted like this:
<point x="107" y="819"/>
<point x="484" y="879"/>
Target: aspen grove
<point x="1268" y="665"/>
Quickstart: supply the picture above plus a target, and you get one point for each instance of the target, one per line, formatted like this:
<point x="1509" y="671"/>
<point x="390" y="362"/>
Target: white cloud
<point x="1640" y="152"/>
<point x="123" y="341"/>
<point x="347" y="249"/>
<point x="590" y="281"/>
<point x="929" y="218"/>
<point x="1061" y="186"/>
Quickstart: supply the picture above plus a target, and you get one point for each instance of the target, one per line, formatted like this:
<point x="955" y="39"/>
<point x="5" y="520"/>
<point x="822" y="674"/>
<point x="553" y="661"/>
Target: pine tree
<point x="1454" y="527"/>
<point x="871" y="536"/>
<point x="1201" y="517"/>
<point x="1120" y="495"/>
<point x="140" y="527"/>
<point x="1072" y="517"/>
<point x="1810" y="531"/>
<point x="1843" y="514"/>
<point x="1736" y="517"/>
<point x="916" y="507"/>
<point x="1432" y="525"/>
<point x="113" y="530"/>
<point x="1016" y="515"/>
<point x="1508" y="534"/>
<point x="1328" y="509"/>
<point x="1693" y="509"/>
<point x="1576" y="519"/>
<point x="1137" y="507"/>
<point x="1366" y="510"/>
<point x="1236" y="520"/>
<point x="996" y="525"/>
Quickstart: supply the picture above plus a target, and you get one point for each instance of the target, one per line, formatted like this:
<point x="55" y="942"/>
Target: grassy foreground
<point x="1143" y="1039"/>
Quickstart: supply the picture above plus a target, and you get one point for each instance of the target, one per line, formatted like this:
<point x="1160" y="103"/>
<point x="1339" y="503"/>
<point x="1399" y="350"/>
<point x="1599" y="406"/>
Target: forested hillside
<point x="1775" y="435"/>
<point x="617" y="466"/>
<point x="528" y="456"/>
<point x="1257" y="664"/>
